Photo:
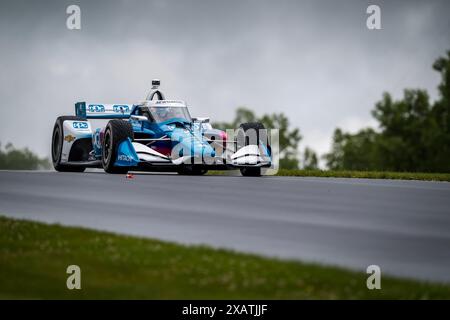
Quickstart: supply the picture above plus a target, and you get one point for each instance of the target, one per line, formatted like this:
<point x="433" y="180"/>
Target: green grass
<point x="367" y="174"/>
<point x="34" y="258"/>
<point x="357" y="174"/>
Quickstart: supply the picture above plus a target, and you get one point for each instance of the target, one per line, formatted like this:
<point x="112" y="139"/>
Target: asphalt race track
<point x="402" y="226"/>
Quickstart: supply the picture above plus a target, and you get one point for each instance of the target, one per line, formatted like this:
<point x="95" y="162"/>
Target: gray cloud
<point x="313" y="60"/>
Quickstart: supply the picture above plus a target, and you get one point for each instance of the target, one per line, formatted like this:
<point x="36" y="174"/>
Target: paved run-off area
<point x="402" y="226"/>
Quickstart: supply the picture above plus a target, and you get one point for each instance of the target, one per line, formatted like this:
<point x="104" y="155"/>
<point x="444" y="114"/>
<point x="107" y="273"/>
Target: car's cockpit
<point x="160" y="114"/>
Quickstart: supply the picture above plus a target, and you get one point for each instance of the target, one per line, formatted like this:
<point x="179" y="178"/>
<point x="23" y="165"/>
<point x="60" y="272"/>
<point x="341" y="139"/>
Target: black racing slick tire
<point x="57" y="145"/>
<point x="116" y="131"/>
<point x="243" y="139"/>
<point x="251" y="172"/>
<point x="191" y="171"/>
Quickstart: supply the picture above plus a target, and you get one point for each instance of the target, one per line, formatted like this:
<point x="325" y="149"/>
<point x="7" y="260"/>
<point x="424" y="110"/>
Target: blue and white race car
<point x="155" y="135"/>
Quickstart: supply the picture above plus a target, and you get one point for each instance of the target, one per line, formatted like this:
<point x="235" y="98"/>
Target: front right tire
<point x="242" y="140"/>
<point x="191" y="171"/>
<point x="251" y="172"/>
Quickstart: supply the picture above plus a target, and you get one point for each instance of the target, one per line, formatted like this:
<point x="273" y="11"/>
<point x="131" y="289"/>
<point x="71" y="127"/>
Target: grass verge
<point x="34" y="258"/>
<point x="357" y="174"/>
<point x="367" y="174"/>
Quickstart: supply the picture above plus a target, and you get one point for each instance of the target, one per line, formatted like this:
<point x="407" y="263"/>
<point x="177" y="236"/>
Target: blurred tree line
<point x="413" y="135"/>
<point x="21" y="159"/>
<point x="289" y="137"/>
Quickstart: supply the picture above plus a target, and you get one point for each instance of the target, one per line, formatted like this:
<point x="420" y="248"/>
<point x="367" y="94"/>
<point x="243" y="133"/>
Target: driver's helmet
<point x="163" y="113"/>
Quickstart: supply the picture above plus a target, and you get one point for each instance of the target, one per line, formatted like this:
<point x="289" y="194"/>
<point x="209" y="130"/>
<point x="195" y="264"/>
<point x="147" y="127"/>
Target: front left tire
<point x="57" y="145"/>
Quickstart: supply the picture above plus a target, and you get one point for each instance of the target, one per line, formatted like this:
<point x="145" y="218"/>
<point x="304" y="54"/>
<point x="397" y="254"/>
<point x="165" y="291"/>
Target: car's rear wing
<point x="102" y="111"/>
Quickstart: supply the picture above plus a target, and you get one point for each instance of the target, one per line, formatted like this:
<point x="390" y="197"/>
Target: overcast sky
<point x="315" y="61"/>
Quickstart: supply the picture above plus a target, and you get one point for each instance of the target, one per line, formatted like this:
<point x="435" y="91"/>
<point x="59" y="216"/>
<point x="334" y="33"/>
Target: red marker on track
<point x="129" y="176"/>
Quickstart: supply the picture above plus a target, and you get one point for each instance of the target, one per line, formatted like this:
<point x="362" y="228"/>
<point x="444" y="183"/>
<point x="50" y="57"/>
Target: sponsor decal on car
<point x="96" y="108"/>
<point x="124" y="157"/>
<point x="168" y="101"/>
<point x="69" y="138"/>
<point x="119" y="108"/>
<point x="80" y="125"/>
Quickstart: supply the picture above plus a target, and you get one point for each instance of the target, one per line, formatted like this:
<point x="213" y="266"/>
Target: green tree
<point x="242" y="115"/>
<point x="21" y="159"/>
<point x="403" y="143"/>
<point x="310" y="160"/>
<point x="441" y="117"/>
<point x="414" y="135"/>
<point x="352" y="151"/>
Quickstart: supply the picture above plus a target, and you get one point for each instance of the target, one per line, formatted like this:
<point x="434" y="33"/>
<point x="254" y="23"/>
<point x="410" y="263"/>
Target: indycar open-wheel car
<point x="155" y="135"/>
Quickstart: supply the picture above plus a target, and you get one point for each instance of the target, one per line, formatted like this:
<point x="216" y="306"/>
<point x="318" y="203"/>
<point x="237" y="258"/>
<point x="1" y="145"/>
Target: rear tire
<point x="57" y="145"/>
<point x="116" y="131"/>
<point x="242" y="140"/>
